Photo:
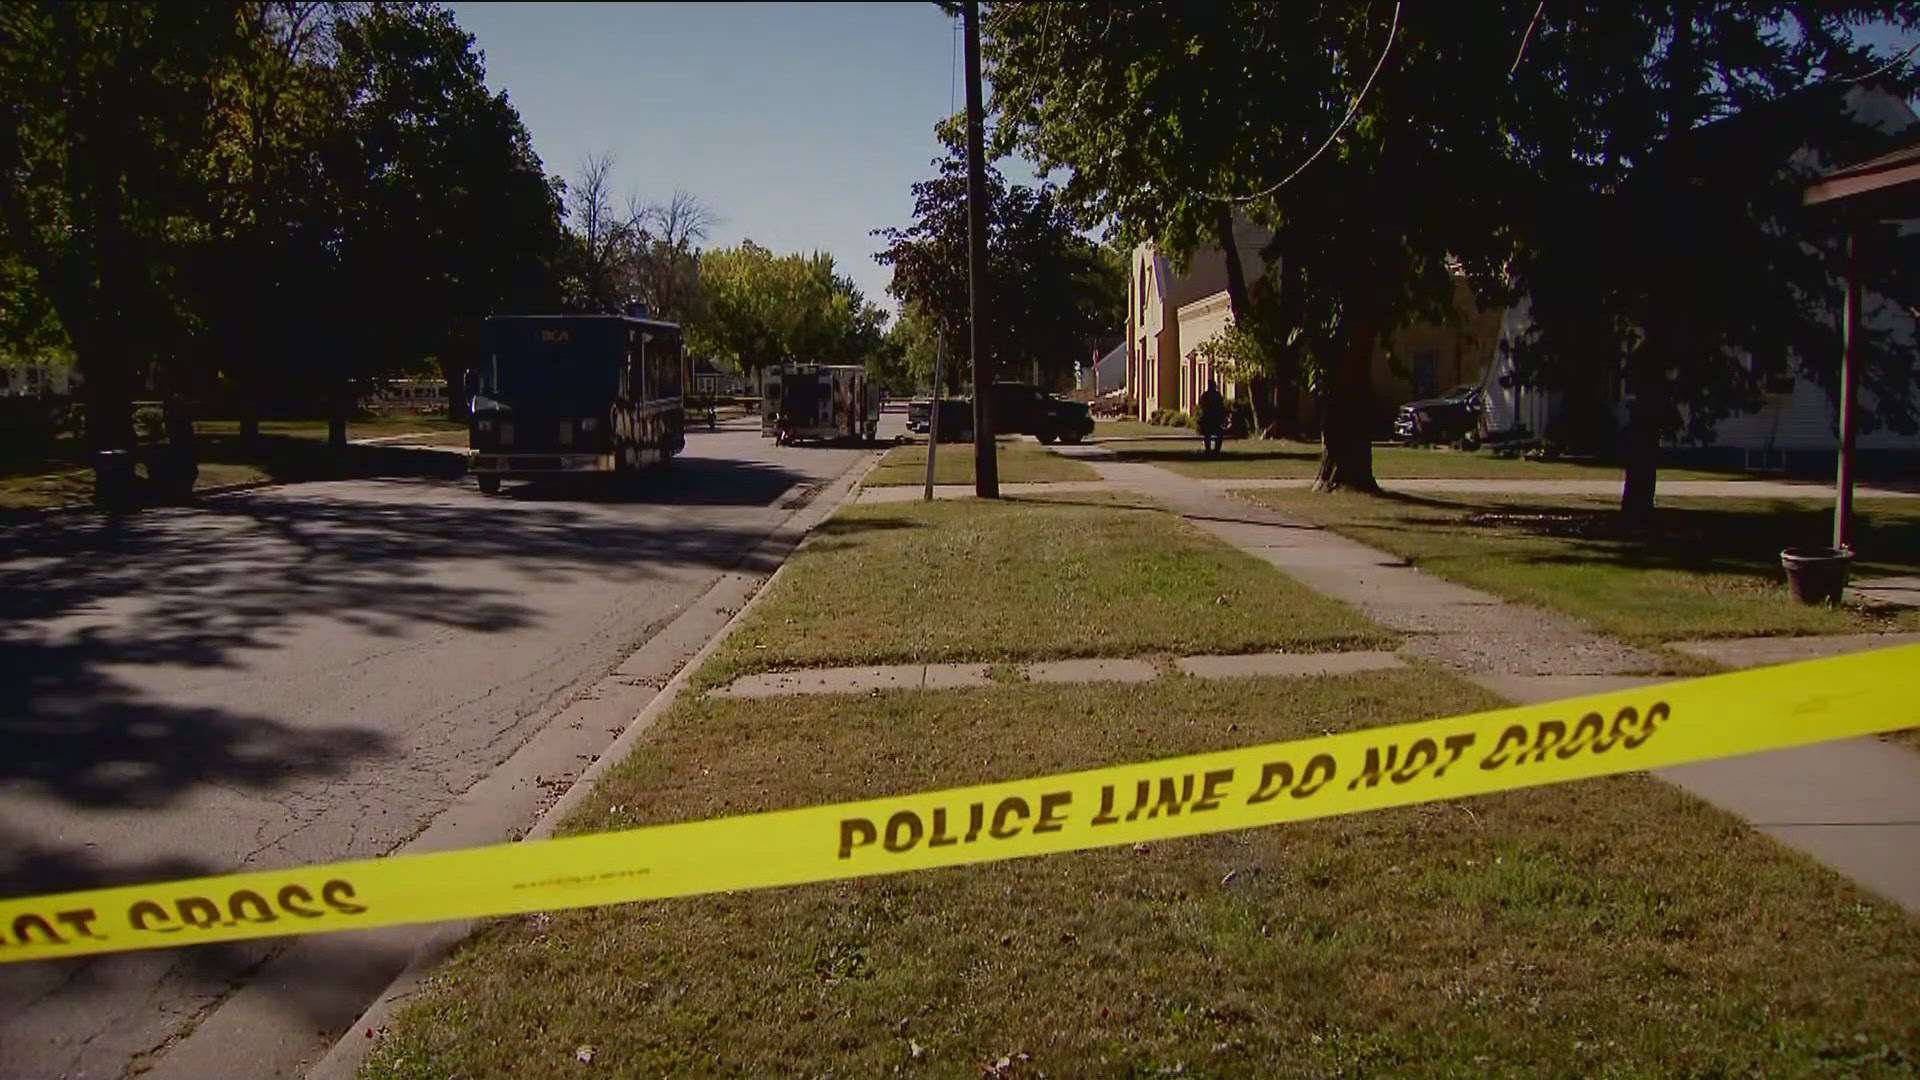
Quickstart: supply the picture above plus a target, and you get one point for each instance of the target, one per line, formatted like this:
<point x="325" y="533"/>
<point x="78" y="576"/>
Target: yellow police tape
<point x="1599" y="734"/>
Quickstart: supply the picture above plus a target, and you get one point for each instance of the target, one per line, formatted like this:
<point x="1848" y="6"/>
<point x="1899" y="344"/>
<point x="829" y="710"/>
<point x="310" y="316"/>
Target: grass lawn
<point x="1019" y="463"/>
<point x="1244" y="459"/>
<point x="62" y="474"/>
<point x="1026" y="579"/>
<point x="28" y="483"/>
<point x="1122" y="428"/>
<point x="1709" y="567"/>
<point x="1607" y="928"/>
<point x="371" y="427"/>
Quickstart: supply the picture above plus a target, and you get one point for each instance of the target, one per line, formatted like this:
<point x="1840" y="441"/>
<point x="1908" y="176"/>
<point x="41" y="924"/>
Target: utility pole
<point x="986" y="468"/>
<point x="933" y="410"/>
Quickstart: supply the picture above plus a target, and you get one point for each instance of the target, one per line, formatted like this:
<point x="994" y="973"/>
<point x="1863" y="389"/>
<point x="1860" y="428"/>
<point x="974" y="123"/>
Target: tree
<point x="664" y="255"/>
<point x="1368" y="138"/>
<point x="271" y="111"/>
<point x="1055" y="293"/>
<point x="917" y="354"/>
<point x="1665" y="245"/>
<point x="442" y="213"/>
<point x="103" y="119"/>
<point x="764" y="308"/>
<point x="601" y="239"/>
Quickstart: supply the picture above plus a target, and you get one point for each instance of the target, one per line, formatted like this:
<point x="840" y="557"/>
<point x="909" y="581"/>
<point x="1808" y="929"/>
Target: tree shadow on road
<point x="88" y="604"/>
<point x="684" y="482"/>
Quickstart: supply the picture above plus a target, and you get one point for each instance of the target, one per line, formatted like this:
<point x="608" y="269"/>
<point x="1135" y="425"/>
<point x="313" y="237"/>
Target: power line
<point x="1344" y="121"/>
<point x="1524" y="38"/>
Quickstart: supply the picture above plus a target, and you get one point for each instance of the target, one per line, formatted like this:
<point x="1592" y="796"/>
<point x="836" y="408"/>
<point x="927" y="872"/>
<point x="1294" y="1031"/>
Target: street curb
<point x="349" y="1052"/>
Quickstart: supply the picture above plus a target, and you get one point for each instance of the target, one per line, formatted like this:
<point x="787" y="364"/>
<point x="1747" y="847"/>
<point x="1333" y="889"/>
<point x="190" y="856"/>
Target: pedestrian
<point x="1212" y="420"/>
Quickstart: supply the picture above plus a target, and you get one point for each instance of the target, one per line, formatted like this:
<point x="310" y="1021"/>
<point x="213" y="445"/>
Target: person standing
<point x="1212" y="420"/>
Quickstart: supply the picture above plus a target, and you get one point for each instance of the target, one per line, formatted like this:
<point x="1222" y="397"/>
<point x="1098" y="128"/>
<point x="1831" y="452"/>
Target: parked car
<point x="1457" y="416"/>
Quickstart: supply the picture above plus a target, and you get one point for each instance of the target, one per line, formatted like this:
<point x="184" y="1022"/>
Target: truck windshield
<point x="548" y="367"/>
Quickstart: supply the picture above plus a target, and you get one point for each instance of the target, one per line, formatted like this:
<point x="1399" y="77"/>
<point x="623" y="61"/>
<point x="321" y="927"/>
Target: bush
<point x="1169" y="418"/>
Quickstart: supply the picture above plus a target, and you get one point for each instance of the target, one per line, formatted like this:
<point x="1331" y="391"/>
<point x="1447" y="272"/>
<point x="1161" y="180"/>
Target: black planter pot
<point x="1817" y="575"/>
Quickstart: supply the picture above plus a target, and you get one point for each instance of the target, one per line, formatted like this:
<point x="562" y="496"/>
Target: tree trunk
<point x="337" y="418"/>
<point x="1646" y="414"/>
<point x="1646" y="367"/>
<point x="182" y="455"/>
<point x="1346" y="436"/>
<point x="1230" y="249"/>
<point x="1286" y="409"/>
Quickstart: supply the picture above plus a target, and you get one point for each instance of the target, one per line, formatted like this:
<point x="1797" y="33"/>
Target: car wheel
<point x="1046" y="438"/>
<point x="1072" y="438"/>
<point x="489" y="485"/>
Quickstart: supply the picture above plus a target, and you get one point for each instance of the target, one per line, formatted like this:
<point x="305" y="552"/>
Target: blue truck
<point x="569" y="394"/>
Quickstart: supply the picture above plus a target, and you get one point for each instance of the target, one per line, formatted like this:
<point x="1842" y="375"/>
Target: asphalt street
<point x="311" y="672"/>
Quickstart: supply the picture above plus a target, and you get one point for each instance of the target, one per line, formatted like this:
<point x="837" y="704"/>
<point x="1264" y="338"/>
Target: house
<point x="1171" y="314"/>
<point x="1797" y="423"/>
<point x="37" y="378"/>
<point x="706" y="377"/>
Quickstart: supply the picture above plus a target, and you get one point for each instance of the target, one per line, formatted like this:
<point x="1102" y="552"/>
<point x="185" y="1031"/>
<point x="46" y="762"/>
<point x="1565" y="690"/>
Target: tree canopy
<point x="1056" y="294"/>
<point x="762" y="308"/>
<point x="260" y="200"/>
<point x="1392" y="148"/>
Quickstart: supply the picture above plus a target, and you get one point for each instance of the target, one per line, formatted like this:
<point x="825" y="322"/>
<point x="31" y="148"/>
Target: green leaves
<point x="1056" y="294"/>
<point x="765" y="308"/>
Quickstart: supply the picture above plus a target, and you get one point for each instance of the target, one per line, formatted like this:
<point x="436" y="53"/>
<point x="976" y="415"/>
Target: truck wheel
<point x="1046" y="438"/>
<point x="489" y="485"/>
<point x="1072" y="438"/>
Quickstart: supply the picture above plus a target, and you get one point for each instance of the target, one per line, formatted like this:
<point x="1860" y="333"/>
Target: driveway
<point x="306" y="673"/>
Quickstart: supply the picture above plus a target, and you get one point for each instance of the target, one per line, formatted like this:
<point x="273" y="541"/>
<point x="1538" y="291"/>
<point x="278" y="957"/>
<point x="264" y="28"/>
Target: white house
<point x="1797" y="425"/>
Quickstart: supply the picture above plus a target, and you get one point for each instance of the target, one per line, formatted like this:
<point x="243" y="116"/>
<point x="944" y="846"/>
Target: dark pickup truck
<point x="1018" y="409"/>
<point x="1454" y="417"/>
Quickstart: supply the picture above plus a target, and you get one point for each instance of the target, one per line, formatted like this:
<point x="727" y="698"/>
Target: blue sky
<point x="802" y="126"/>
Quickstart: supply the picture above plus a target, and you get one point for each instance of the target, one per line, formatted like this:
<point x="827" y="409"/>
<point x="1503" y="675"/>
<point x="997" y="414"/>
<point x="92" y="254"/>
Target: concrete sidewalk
<point x="1465" y="629"/>
<point x="1853" y="805"/>
<point x="893" y="493"/>
<point x="1752" y="489"/>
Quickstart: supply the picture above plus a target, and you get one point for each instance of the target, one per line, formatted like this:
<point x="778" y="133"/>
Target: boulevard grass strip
<point x="953" y="464"/>
<point x="1026" y="579"/>
<point x="1705" y="568"/>
<point x="1249" y="459"/>
<point x="1613" y="927"/>
<point x="38" y="482"/>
